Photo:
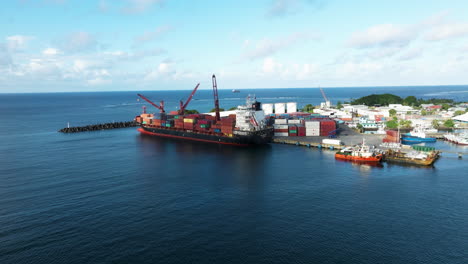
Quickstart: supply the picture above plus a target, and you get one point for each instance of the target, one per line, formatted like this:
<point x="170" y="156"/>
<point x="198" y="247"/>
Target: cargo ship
<point x="360" y="153"/>
<point x="246" y="127"/>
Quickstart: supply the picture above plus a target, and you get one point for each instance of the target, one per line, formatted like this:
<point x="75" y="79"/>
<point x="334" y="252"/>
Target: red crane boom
<point x="182" y="105"/>
<point x="160" y="106"/>
<point x="216" y="99"/>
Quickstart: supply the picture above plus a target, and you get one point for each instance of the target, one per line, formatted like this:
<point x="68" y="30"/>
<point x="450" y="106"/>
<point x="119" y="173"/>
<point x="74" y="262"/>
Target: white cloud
<point x="268" y="47"/>
<point x="411" y="54"/>
<point x="151" y="35"/>
<point x="51" y="51"/>
<point x="279" y="8"/>
<point x="271" y="66"/>
<point x="383" y="35"/>
<point x="17" y="42"/>
<point x="278" y="70"/>
<point x="447" y="31"/>
<point x="79" y="42"/>
<point x="5" y="56"/>
<point x="140" y="6"/>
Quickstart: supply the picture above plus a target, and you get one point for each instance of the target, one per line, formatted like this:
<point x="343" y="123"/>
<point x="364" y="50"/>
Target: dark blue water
<point x="118" y="197"/>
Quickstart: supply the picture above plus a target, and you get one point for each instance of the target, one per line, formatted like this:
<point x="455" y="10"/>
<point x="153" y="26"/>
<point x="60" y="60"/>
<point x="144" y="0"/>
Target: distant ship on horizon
<point x="235" y="91"/>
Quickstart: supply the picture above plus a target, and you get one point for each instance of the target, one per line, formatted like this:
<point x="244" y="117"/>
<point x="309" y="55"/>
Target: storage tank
<point x="291" y="107"/>
<point x="280" y="108"/>
<point x="267" y="108"/>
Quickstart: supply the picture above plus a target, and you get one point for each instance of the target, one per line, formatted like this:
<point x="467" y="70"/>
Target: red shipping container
<point x="293" y="134"/>
<point x="281" y="130"/>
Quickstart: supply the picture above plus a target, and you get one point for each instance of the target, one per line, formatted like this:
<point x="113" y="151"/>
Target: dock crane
<point x="182" y="105"/>
<point x="327" y="102"/>
<point x="160" y="106"/>
<point x="216" y="99"/>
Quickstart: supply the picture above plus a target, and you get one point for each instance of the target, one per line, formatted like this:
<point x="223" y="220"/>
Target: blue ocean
<point x="115" y="196"/>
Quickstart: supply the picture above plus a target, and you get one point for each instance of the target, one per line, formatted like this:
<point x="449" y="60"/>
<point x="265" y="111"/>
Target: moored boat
<point x="417" y="135"/>
<point x="460" y="139"/>
<point x="418" y="155"/>
<point x="359" y="153"/>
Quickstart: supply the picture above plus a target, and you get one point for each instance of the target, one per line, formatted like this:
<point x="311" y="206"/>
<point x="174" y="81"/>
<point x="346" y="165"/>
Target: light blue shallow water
<point x="118" y="197"/>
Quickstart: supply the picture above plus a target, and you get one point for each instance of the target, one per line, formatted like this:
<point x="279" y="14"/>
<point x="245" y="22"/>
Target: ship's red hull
<point x="376" y="158"/>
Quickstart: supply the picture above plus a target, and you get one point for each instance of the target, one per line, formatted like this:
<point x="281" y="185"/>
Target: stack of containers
<point x="189" y="123"/>
<point x="326" y="127"/>
<point x="170" y="123"/>
<point x="227" y="125"/>
<point x="295" y="121"/>
<point x="301" y="131"/>
<point x="312" y="128"/>
<point x="281" y="121"/>
<point x="292" y="129"/>
<point x="280" y="130"/>
<point x="179" y="121"/>
<point x="392" y="136"/>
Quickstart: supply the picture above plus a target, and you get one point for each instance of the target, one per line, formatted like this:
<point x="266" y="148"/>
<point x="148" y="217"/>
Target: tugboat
<point x="359" y="153"/>
<point x="417" y="135"/>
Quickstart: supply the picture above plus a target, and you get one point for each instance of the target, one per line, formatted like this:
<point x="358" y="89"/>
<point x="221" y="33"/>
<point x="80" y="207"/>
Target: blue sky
<point x="107" y="45"/>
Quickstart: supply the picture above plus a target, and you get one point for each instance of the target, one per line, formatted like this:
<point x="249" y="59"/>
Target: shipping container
<point x="312" y="124"/>
<point x="281" y="121"/>
<point x="281" y="130"/>
<point x="295" y="121"/>
<point x="281" y="134"/>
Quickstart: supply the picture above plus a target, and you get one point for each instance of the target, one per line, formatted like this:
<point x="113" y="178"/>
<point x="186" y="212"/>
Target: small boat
<point x="460" y="139"/>
<point x="417" y="135"/>
<point x="359" y="153"/>
<point x="235" y="91"/>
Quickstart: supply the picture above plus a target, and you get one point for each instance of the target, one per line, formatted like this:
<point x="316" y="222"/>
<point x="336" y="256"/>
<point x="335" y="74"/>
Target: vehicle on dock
<point x="360" y="153"/>
<point x="417" y="155"/>
<point x="246" y="127"/>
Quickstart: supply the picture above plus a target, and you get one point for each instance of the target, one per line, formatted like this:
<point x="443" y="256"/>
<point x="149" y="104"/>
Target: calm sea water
<point x="118" y="197"/>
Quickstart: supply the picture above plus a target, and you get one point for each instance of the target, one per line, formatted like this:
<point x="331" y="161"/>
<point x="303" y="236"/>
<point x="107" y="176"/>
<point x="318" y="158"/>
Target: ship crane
<point x="216" y="99"/>
<point x="160" y="106"/>
<point x="184" y="106"/>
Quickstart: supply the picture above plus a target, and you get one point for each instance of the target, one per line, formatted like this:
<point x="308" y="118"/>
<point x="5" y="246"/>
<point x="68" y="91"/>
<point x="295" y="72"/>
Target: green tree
<point x="339" y="105"/>
<point x="232" y="108"/>
<point x="391" y="124"/>
<point x="214" y="110"/>
<point x="360" y="128"/>
<point x="458" y="112"/>
<point x="435" y="123"/>
<point x="191" y="111"/>
<point x="378" y="99"/>
<point x="423" y="112"/>
<point x="405" y="123"/>
<point x="392" y="112"/>
<point x="445" y="106"/>
<point x="308" y="108"/>
<point x="410" y="100"/>
<point x="449" y="123"/>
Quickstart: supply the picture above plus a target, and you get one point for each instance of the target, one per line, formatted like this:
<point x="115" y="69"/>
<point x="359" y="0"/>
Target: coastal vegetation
<point x="386" y="99"/>
<point x="191" y="111"/>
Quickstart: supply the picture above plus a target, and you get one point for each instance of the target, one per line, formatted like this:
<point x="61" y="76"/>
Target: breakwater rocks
<point x="98" y="127"/>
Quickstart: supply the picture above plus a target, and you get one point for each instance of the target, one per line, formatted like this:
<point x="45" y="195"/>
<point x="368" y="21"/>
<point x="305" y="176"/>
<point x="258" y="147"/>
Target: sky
<point x="126" y="45"/>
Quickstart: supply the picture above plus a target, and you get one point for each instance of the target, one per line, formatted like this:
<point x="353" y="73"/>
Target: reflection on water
<point x="241" y="165"/>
